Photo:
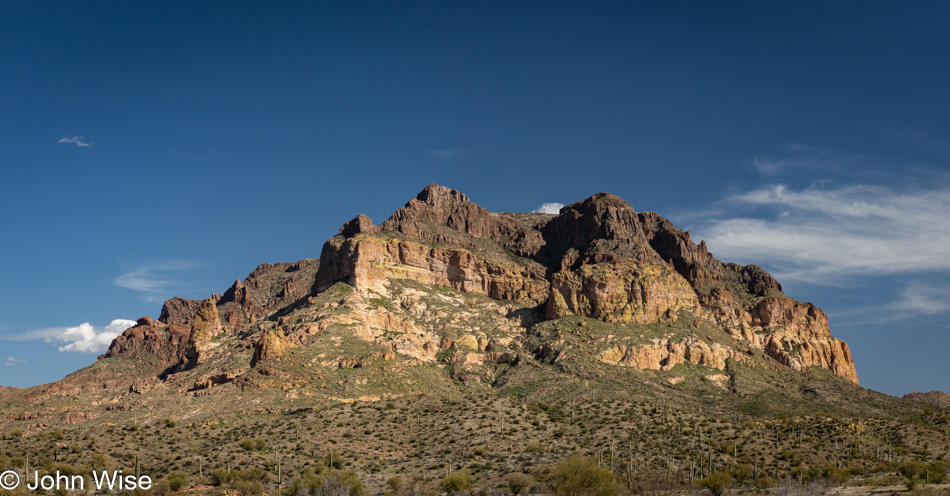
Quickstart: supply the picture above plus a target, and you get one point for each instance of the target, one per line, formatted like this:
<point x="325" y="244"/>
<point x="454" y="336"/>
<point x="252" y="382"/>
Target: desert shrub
<point x="254" y="474"/>
<point x="885" y="467"/>
<point x="457" y="482"/>
<point x="254" y="444"/>
<point x="176" y="481"/>
<point x="220" y="476"/>
<point x="717" y="482"/>
<point x="334" y="460"/>
<point x="327" y="483"/>
<point x="741" y="473"/>
<point x="912" y="472"/>
<point x="764" y="482"/>
<point x="394" y="486"/>
<point x="938" y="471"/>
<point x="519" y="483"/>
<point x="581" y="476"/>
<point x="249" y="487"/>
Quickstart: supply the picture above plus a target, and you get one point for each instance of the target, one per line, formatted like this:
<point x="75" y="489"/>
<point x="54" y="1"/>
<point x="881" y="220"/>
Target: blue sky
<point x="150" y="150"/>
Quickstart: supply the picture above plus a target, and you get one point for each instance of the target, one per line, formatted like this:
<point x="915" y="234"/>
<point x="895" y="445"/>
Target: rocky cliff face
<point x="446" y="282"/>
<point x="597" y="258"/>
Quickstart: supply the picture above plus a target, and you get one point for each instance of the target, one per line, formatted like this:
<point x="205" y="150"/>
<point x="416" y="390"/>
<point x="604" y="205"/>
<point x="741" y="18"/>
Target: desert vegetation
<point x="486" y="444"/>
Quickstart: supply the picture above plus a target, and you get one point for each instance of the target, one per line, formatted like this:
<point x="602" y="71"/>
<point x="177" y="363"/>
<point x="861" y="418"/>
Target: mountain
<point x="494" y="342"/>
<point x="446" y="295"/>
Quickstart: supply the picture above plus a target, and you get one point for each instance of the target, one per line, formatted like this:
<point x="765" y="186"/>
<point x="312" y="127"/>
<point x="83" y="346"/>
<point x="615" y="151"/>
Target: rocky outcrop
<point x="205" y="323"/>
<point x="367" y="262"/>
<point x="359" y="225"/>
<point x="268" y="288"/>
<point x="269" y="346"/>
<point x="442" y="215"/>
<point x="664" y="356"/>
<point x="163" y="345"/>
<point x="938" y="399"/>
<point x="178" y="311"/>
<point x="620" y="292"/>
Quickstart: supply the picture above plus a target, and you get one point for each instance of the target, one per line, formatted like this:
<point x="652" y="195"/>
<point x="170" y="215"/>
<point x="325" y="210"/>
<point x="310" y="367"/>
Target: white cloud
<point x="152" y="278"/>
<point x="85" y="338"/>
<point x="818" y="235"/>
<point x="76" y="140"/>
<point x="11" y="362"/>
<point x="549" y="208"/>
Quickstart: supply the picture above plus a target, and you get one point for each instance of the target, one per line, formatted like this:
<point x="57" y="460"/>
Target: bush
<point x="334" y="460"/>
<point x="249" y="487"/>
<point x="581" y="476"/>
<point x="912" y="472"/>
<point x="176" y="481"/>
<point x="741" y="473"/>
<point x="394" y="486"/>
<point x="329" y="483"/>
<point x="254" y="444"/>
<point x="519" y="483"/>
<point x="717" y="482"/>
<point x="220" y="477"/>
<point x="457" y="482"/>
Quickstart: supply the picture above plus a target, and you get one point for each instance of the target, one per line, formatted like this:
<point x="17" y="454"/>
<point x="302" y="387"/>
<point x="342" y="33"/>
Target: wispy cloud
<point x="154" y="278"/>
<point x="818" y="234"/>
<point x="548" y="208"/>
<point x="85" y="338"/>
<point x="922" y="299"/>
<point x="75" y="140"/>
<point x="798" y="156"/>
<point x="445" y="154"/>
<point x="12" y="362"/>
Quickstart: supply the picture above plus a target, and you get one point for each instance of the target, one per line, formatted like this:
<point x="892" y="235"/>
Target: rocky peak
<point x="440" y="196"/>
<point x="436" y="208"/>
<point x="599" y="228"/>
<point x="358" y="225"/>
<point x="178" y="311"/>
